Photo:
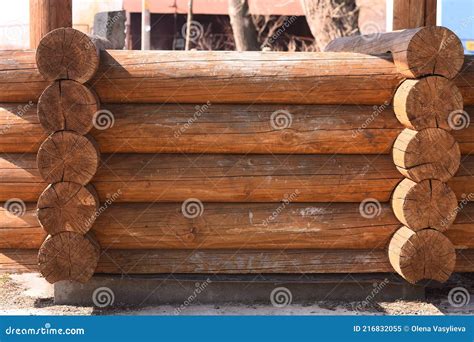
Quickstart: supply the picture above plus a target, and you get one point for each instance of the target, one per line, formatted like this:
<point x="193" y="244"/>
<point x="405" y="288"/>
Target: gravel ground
<point x="29" y="294"/>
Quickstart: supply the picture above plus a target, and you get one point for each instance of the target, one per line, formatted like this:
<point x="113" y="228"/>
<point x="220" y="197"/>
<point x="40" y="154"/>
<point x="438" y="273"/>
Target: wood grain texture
<point x="428" y="204"/>
<point x="425" y="254"/>
<point x="68" y="256"/>
<point x="229" y="178"/>
<point x="47" y="15"/>
<point x="427" y="103"/>
<point x="66" y="156"/>
<point x="416" y="52"/>
<point x="318" y="129"/>
<point x="289" y="78"/>
<point x="67" y="106"/>
<point x="234" y="225"/>
<point x="413" y="13"/>
<point x="431" y="153"/>
<point x="263" y="261"/>
<point x="67" y="54"/>
<point x="67" y="206"/>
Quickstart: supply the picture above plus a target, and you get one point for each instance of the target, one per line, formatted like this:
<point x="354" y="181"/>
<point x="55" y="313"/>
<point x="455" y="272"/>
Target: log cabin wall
<point x="225" y="162"/>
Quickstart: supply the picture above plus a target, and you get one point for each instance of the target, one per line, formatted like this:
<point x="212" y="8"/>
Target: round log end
<point x="67" y="106"/>
<point x="68" y="157"/>
<point x="426" y="254"/>
<point x="428" y="204"/>
<point x="67" y="54"/>
<point x="435" y="50"/>
<point x="68" y="256"/>
<point x="431" y="153"/>
<point x="427" y="102"/>
<point x="67" y="206"/>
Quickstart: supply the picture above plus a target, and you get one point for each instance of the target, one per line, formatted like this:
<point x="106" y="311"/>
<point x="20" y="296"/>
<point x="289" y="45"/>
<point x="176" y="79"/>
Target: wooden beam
<point x="229" y="261"/>
<point x="47" y="15"/>
<point x="166" y="128"/>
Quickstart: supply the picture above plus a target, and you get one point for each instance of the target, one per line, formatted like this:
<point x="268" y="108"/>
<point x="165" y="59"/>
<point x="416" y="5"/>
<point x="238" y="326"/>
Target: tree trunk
<point x="245" y="33"/>
<point x="330" y="19"/>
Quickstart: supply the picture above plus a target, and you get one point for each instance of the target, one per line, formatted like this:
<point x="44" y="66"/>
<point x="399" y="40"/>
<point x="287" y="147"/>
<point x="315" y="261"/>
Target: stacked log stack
<point x="275" y="152"/>
<point x="425" y="153"/>
<point x="68" y="158"/>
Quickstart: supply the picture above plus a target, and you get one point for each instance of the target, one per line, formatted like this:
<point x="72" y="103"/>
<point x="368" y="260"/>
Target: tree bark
<point x="245" y="33"/>
<point x="331" y="19"/>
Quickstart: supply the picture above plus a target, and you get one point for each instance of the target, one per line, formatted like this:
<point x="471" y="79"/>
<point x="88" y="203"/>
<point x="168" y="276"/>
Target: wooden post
<point x="413" y="13"/>
<point x="47" y="15"/>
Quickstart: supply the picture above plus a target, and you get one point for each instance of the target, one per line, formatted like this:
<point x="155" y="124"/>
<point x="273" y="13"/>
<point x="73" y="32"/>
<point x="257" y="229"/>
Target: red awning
<point x="262" y="7"/>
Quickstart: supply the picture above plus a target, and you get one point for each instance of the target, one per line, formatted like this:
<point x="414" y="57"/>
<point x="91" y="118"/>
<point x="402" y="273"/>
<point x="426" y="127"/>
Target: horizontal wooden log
<point x="428" y="204"/>
<point x="251" y="77"/>
<point x="197" y="77"/>
<point x="67" y="206"/>
<point x="428" y="102"/>
<point x="229" y="261"/>
<point x="416" y="52"/>
<point x="67" y="54"/>
<point x="215" y="129"/>
<point x="233" y="225"/>
<point x="229" y="178"/>
<point x="68" y="256"/>
<point x="66" y="156"/>
<point x="425" y="254"/>
<point x="431" y="153"/>
<point x="67" y="106"/>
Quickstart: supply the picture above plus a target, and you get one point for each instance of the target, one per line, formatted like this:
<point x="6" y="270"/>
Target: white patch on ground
<point x="33" y="285"/>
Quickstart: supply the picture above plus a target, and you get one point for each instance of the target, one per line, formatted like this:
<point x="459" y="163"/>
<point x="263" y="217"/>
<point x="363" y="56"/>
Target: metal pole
<point x="188" y="24"/>
<point x="145" y="26"/>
